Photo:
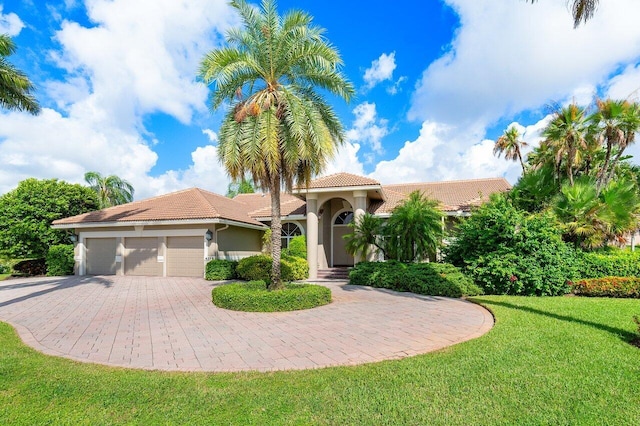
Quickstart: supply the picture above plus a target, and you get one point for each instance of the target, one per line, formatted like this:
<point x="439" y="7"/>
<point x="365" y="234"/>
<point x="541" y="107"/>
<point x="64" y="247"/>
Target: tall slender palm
<point x="111" y="190"/>
<point x="278" y="128"/>
<point x="581" y="10"/>
<point x="511" y="145"/>
<point x="567" y="133"/>
<point x="15" y="87"/>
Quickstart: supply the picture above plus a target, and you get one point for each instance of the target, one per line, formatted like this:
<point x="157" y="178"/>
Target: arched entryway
<point x="339" y="228"/>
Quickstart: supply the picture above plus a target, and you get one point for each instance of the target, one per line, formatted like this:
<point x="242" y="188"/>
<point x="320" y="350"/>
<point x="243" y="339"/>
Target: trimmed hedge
<point x="608" y="287"/>
<point x="610" y="263"/>
<point x="253" y="296"/>
<point x="433" y="279"/>
<point x="221" y="269"/>
<point x="258" y="267"/>
<point x="60" y="260"/>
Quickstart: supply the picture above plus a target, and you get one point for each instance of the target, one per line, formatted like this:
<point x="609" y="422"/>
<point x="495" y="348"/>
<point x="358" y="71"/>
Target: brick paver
<point x="171" y="324"/>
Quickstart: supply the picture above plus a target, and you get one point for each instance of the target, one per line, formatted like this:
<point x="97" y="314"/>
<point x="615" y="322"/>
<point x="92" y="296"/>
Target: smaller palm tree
<point x="15" y="87"/>
<point x="581" y="10"/>
<point x="367" y="233"/>
<point x="111" y="190"/>
<point x="511" y="145"/>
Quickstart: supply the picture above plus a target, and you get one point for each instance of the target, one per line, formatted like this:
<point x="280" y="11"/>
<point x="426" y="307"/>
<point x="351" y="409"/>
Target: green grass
<point x="563" y="360"/>
<point x="253" y="296"/>
<point x="4" y="276"/>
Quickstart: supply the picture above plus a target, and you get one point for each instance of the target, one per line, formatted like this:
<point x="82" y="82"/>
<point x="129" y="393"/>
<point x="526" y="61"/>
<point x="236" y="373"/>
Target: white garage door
<point x="141" y="257"/>
<point x="185" y="256"/>
<point x="101" y="256"/>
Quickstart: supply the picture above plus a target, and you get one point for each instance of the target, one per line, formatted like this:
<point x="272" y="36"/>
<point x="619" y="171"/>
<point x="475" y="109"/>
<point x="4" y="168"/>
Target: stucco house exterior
<point x="177" y="233"/>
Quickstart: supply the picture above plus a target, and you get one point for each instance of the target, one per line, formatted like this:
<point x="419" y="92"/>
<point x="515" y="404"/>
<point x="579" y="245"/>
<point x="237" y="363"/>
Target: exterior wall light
<point x="208" y="236"/>
<point x="73" y="238"/>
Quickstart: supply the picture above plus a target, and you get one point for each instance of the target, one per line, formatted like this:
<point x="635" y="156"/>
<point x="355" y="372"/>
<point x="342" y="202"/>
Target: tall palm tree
<point x="15" y="87"/>
<point x="581" y="10"/>
<point x="511" y="145"/>
<point x="567" y="133"/>
<point x="111" y="190"/>
<point x="278" y="128"/>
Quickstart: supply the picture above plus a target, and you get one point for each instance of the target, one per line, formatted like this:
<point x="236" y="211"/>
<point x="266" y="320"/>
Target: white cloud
<point x="213" y="136"/>
<point x="381" y="69"/>
<point x="510" y="56"/>
<point x="135" y="59"/>
<point x="626" y="85"/>
<point x="367" y="128"/>
<point x="346" y="160"/>
<point x="446" y="152"/>
<point x="10" y="23"/>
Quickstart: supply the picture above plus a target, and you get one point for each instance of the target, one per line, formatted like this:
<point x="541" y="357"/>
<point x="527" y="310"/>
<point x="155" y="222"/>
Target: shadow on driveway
<point x="56" y="283"/>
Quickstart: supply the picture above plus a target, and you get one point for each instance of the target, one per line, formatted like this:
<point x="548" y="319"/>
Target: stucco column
<point x="312" y="235"/>
<point x="360" y="207"/>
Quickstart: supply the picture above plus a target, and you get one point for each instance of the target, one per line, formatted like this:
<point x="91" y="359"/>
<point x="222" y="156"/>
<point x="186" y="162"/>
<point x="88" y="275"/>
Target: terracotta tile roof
<point x="338" y="180"/>
<point x="393" y="198"/>
<point x="259" y="205"/>
<point x="454" y="195"/>
<point x="188" y="204"/>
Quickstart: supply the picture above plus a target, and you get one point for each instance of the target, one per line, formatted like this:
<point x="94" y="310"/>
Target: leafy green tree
<point x="15" y="87"/>
<point x="413" y="231"/>
<point x="26" y="214"/>
<point x="511" y="145"/>
<point x="111" y="190"/>
<point x="243" y="186"/>
<point x="509" y="251"/>
<point x="278" y="128"/>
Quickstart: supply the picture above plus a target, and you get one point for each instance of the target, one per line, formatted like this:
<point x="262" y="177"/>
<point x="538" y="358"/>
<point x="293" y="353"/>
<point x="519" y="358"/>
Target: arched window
<point x="289" y="230"/>
<point x="344" y="218"/>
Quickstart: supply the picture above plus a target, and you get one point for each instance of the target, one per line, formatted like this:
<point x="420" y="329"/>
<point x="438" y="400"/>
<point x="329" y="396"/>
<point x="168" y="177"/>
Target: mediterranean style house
<point x="177" y="233"/>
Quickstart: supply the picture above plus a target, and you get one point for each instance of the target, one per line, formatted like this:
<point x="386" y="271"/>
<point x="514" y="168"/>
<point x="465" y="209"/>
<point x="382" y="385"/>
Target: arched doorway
<point x="339" y="228"/>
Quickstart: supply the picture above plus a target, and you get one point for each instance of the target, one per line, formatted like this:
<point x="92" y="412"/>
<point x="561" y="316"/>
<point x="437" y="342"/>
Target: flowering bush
<point x="607" y="287"/>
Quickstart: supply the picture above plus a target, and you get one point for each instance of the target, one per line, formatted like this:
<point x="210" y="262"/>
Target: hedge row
<point x="608" y="287"/>
<point x="253" y="296"/>
<point x="433" y="279"/>
<point x="60" y="260"/>
<point x="611" y="263"/>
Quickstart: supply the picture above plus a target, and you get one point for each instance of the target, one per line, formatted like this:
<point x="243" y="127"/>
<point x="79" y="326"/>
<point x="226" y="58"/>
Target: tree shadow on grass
<point x="625" y="335"/>
<point x="54" y="284"/>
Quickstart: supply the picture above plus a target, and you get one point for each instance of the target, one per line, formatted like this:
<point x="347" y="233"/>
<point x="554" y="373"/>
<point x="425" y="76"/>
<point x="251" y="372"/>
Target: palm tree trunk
<point x="602" y="175"/>
<point x="612" y="168"/>
<point x="276" y="233"/>
<point x="521" y="162"/>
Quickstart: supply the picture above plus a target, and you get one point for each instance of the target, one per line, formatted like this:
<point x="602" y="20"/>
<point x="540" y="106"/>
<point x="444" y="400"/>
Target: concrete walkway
<point x="171" y="324"/>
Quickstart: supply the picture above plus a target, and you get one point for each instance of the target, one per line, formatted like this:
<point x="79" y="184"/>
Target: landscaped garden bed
<point x="253" y="296"/>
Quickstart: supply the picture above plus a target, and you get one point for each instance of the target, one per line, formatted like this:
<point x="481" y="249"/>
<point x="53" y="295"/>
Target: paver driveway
<point x="171" y="324"/>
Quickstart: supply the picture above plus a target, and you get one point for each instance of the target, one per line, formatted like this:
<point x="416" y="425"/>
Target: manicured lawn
<point x="4" y="276"/>
<point x="562" y="360"/>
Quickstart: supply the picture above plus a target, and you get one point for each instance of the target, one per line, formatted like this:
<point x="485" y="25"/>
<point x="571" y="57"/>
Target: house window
<point x="344" y="218"/>
<point x="289" y="230"/>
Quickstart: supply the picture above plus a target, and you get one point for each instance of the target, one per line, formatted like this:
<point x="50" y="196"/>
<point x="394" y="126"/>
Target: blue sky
<point x="436" y="82"/>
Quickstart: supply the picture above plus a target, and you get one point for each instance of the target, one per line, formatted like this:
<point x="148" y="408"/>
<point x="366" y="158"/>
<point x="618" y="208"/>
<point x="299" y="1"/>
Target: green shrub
<point x="610" y="263"/>
<point x="608" y="287"/>
<point x="433" y="279"/>
<point x="297" y="247"/>
<point x="221" y="269"/>
<point x="5" y="267"/>
<point x="60" y="260"/>
<point x="508" y="251"/>
<point x="254" y="297"/>
<point x="294" y="268"/>
<point x="258" y="267"/>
